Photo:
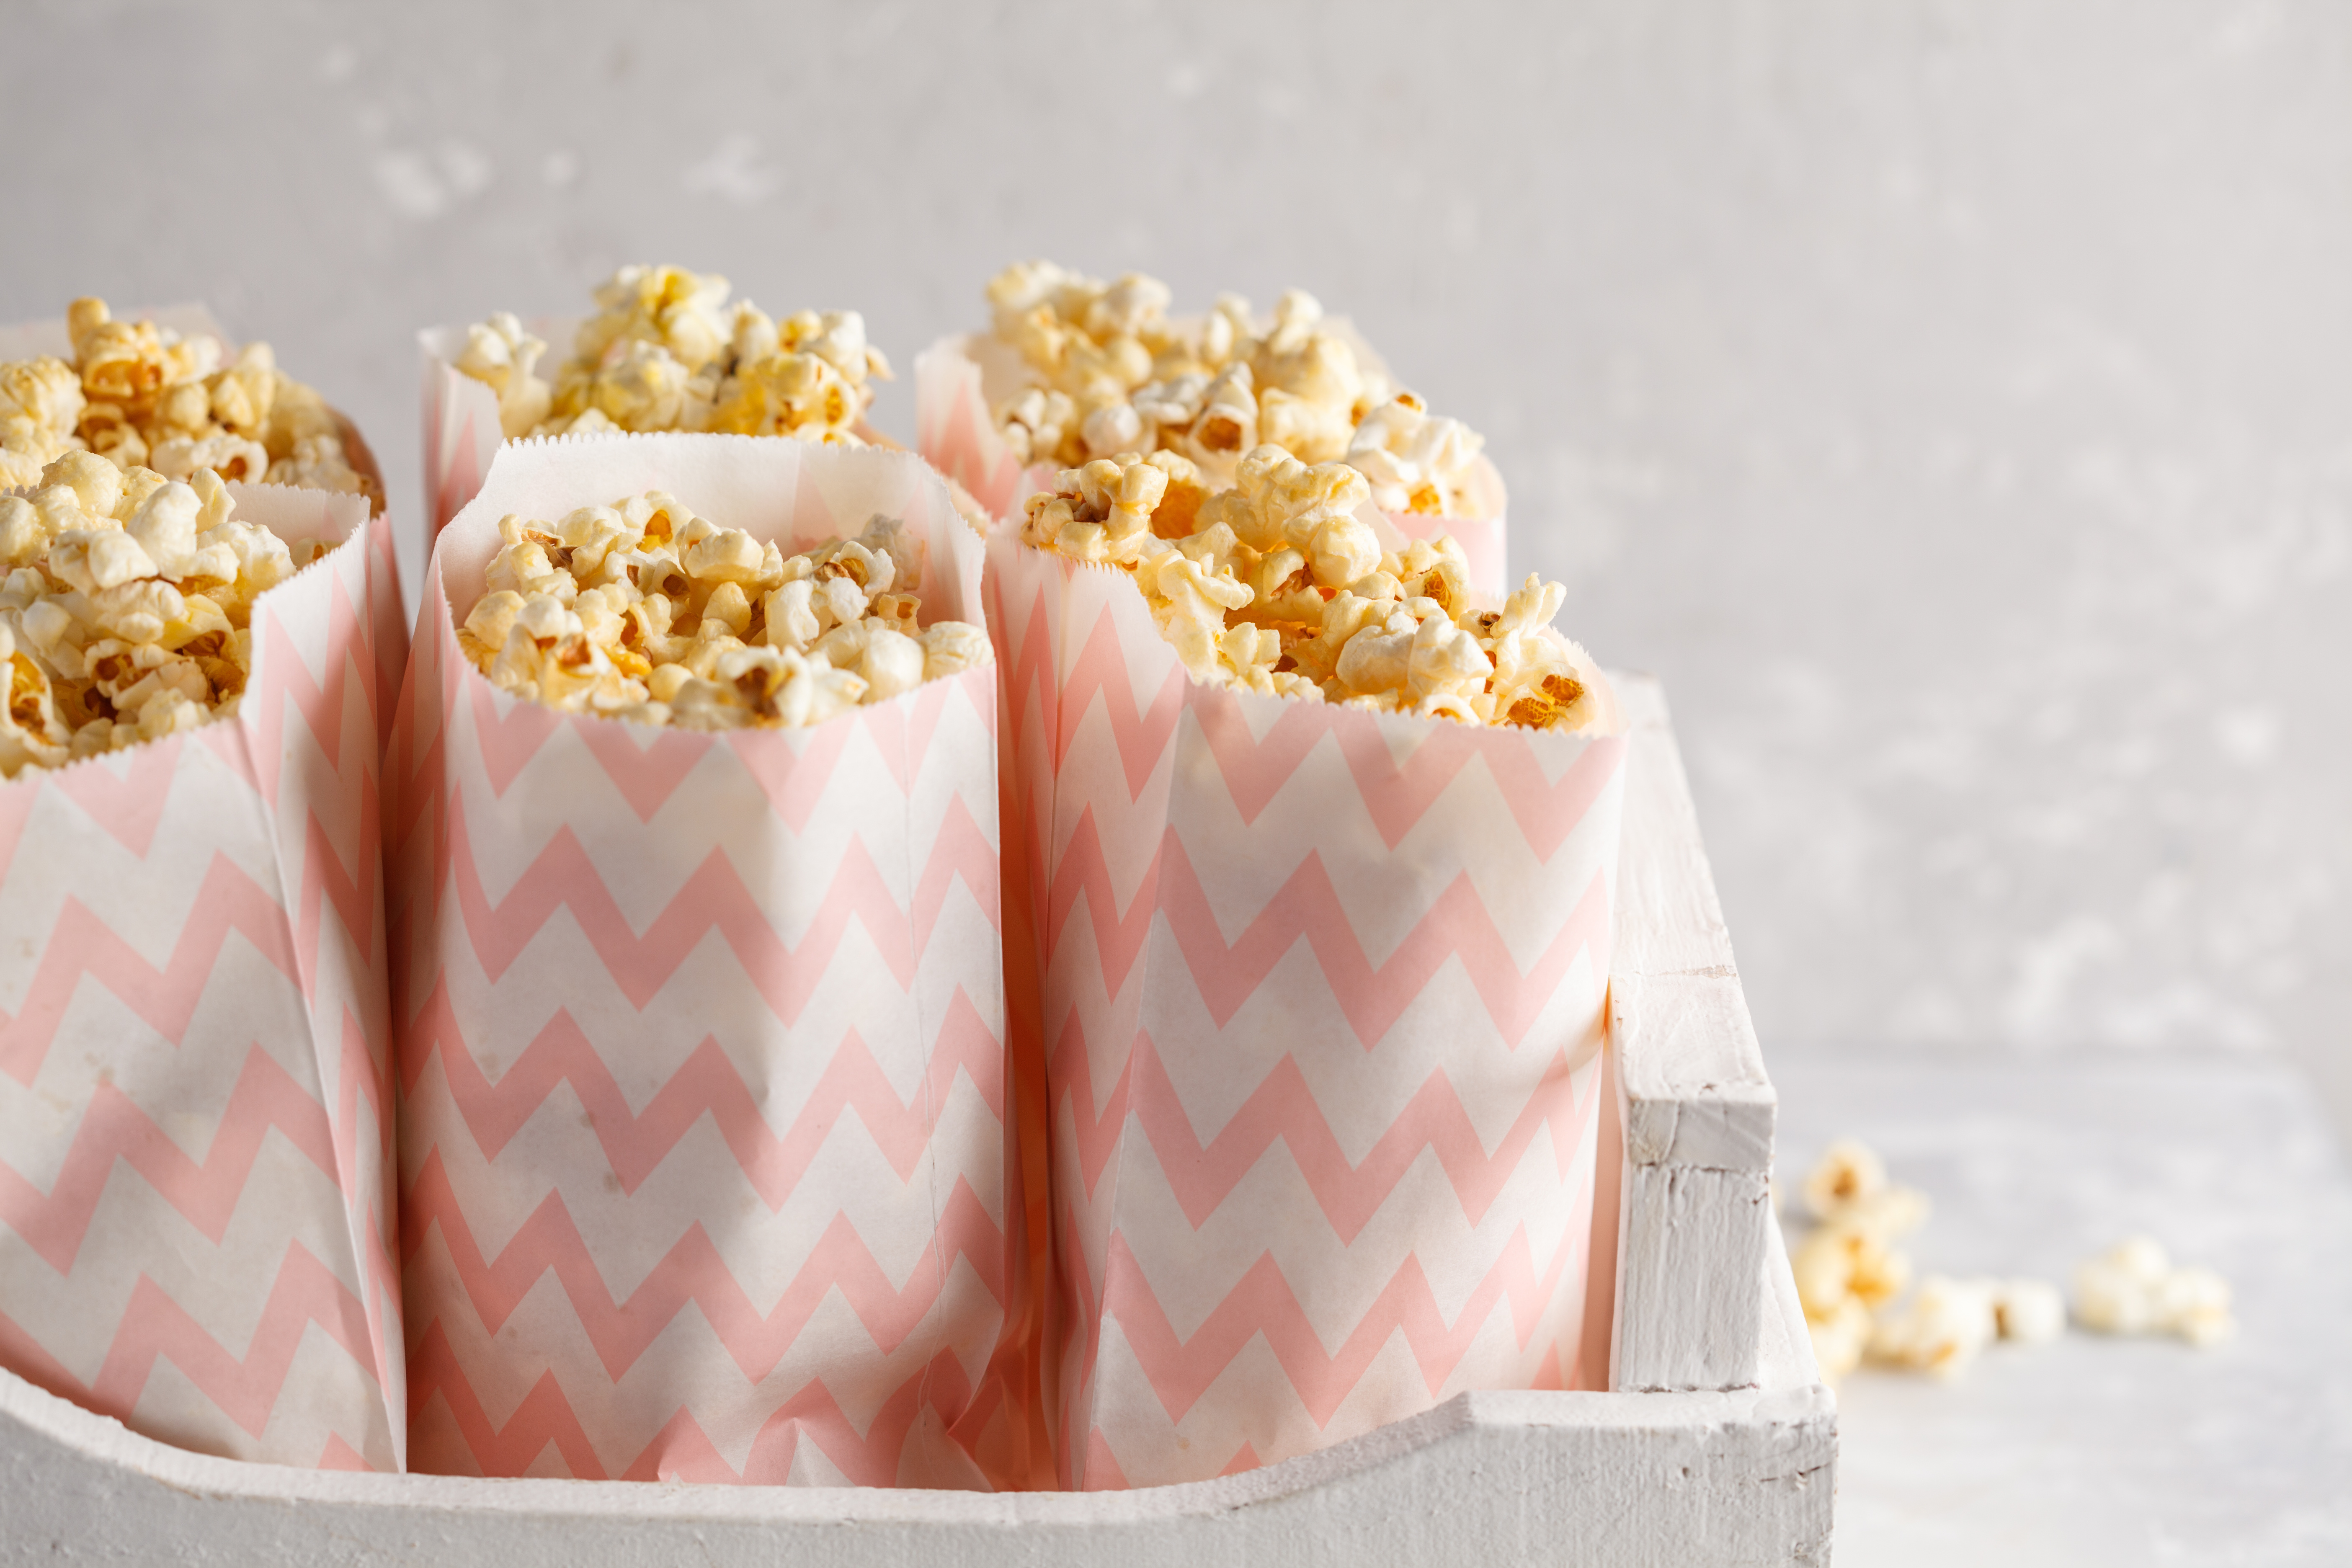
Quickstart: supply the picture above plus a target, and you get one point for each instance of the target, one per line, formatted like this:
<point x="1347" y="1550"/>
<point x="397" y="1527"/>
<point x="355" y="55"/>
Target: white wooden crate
<point x="1719" y="1445"/>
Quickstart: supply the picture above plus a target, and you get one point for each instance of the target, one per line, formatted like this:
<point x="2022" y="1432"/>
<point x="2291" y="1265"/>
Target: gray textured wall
<point x="1952" y="401"/>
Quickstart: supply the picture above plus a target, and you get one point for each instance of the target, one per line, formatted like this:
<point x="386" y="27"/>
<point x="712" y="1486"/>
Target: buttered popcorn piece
<point x="667" y="351"/>
<point x="1940" y="1330"/>
<point x="2030" y="1311"/>
<point x="1111" y="374"/>
<point x="1279" y="585"/>
<point x="1850" y="1280"/>
<point x="1848" y="1186"/>
<point x="645" y="612"/>
<point x="143" y="397"/>
<point x="2133" y="1289"/>
<point x="1415" y="461"/>
<point x="1835" y="1264"/>
<point x="1840" y="1336"/>
<point x="126" y="607"/>
<point x="1847" y="1172"/>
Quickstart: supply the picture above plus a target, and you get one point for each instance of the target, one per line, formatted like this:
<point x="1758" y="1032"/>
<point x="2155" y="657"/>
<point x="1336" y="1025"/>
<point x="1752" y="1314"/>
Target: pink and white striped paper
<point x="1317" y="994"/>
<point x="462" y="433"/>
<point x="196" y="1137"/>
<point x="956" y="392"/>
<point x="703" y="1155"/>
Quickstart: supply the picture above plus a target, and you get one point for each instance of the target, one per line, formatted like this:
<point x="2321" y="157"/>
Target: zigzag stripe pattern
<point x="692" y="1273"/>
<point x="1274" y="950"/>
<point x="681" y="1450"/>
<point x="956" y="435"/>
<point x="83" y="944"/>
<point x="707" y="1084"/>
<point x="205" y="1192"/>
<point x="1308" y="909"/>
<point x="1282" y="1109"/>
<point x="246" y="1389"/>
<point x="462" y="435"/>
<point x="1263" y="1304"/>
<point x="197" y="1148"/>
<point x="701" y="1064"/>
<point x="714" y="899"/>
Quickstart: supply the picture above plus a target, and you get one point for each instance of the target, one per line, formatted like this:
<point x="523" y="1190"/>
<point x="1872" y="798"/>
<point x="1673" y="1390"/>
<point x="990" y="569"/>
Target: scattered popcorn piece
<point x="142" y="396"/>
<point x="1847" y="1172"/>
<point x="126" y="606"/>
<point x="643" y="611"/>
<point x="1835" y="1264"/>
<point x="2194" y="1303"/>
<point x="1848" y="1187"/>
<point x="2030" y="1311"/>
<point x="1849" y="1276"/>
<point x="1840" y="1336"/>
<point x="1276" y="585"/>
<point x="667" y="351"/>
<point x="1112" y="373"/>
<point x="1940" y="1329"/>
<point x="2133" y="1289"/>
<point x="2115" y="1293"/>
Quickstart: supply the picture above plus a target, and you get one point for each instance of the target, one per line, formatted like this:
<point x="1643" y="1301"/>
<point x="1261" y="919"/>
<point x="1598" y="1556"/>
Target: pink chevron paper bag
<point x="702" y="1146"/>
<point x="960" y="380"/>
<point x="462" y="433"/>
<point x="195" y="1133"/>
<point x="1321" y="1003"/>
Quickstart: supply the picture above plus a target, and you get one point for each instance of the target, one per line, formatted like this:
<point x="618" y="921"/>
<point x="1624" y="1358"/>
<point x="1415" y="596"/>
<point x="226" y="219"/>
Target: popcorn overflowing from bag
<point x="144" y="395"/>
<point x="665" y="350"/>
<point x="1118" y="375"/>
<point x="1850" y="1279"/>
<point x="127" y="608"/>
<point x="643" y="611"/>
<point x="1276" y="585"/>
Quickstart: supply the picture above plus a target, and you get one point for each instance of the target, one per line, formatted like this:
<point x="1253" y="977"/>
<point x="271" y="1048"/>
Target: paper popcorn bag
<point x="961" y="381"/>
<point x="190" y="321"/>
<point x="463" y="430"/>
<point x="702" y="1146"/>
<point x="195" y="1133"/>
<point x="462" y="433"/>
<point x="1320" y="1000"/>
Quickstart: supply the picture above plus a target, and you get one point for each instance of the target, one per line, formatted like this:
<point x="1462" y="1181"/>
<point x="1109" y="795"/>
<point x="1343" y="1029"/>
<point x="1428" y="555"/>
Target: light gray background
<point x="1952" y="401"/>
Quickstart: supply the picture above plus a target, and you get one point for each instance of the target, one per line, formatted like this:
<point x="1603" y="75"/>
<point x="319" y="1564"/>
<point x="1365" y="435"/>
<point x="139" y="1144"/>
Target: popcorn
<point x="643" y="611"/>
<point x="1848" y="1187"/>
<point x="499" y="353"/>
<point x="1846" y="1172"/>
<point x="1849" y="1277"/>
<point x="127" y="603"/>
<point x="665" y="350"/>
<point x="1839" y="1335"/>
<point x="1111" y="374"/>
<point x="2133" y="1289"/>
<point x="1940" y="1330"/>
<point x="1835" y="1264"/>
<point x="2031" y="1311"/>
<point x="1278" y="584"/>
<point x="1414" y="461"/>
<point x="142" y="396"/>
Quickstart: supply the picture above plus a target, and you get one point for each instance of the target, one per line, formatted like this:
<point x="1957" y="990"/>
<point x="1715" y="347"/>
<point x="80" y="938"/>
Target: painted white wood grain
<point x="1687" y="1315"/>
<point x="1697" y="1108"/>
<point x="1695" y="1089"/>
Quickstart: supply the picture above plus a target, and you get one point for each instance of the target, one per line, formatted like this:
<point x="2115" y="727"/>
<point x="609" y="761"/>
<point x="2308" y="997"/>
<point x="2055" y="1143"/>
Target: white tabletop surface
<point x="2095" y="1451"/>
